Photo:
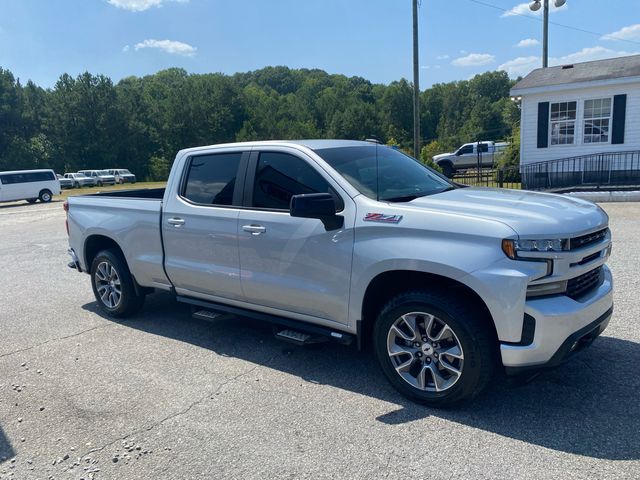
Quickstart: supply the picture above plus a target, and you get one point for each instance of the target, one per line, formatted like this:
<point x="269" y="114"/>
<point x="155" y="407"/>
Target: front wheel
<point x="113" y="285"/>
<point x="448" y="170"/>
<point x="45" y="196"/>
<point x="99" y="184"/>
<point x="434" y="348"/>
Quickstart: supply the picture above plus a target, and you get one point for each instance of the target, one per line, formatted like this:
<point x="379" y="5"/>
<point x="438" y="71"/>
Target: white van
<point x="29" y="185"/>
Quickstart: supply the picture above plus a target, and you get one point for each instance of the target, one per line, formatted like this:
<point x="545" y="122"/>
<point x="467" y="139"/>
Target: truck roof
<point x="312" y="144"/>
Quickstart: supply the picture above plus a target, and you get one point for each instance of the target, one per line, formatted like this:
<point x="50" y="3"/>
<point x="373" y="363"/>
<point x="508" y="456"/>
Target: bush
<point x="159" y="168"/>
<point x="509" y="160"/>
<point x="427" y="153"/>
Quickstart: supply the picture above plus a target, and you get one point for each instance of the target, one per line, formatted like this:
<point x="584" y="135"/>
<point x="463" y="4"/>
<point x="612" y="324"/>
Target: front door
<point x="293" y="264"/>
<point x="200" y="228"/>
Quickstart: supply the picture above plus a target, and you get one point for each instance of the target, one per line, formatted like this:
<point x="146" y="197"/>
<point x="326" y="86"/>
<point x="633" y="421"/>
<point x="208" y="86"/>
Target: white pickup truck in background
<point x="345" y="240"/>
<point x="467" y="157"/>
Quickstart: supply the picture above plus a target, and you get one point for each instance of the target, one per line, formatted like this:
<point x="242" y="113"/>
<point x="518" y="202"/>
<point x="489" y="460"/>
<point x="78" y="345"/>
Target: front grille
<point x="588" y="239"/>
<point x="576" y="287"/>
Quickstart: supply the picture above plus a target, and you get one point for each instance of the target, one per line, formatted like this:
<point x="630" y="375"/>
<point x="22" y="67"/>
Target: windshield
<point x="384" y="174"/>
<point x="125" y="172"/>
<point x="103" y="172"/>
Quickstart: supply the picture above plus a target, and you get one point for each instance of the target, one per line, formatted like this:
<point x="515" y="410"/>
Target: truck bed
<point x="138" y="193"/>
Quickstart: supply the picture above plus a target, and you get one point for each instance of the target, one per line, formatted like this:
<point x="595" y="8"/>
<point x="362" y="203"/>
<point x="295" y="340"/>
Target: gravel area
<point x="165" y="396"/>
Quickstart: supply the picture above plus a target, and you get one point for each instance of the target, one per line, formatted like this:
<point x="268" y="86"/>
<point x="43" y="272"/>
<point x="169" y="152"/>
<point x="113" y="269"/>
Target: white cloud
<point x="140" y="5"/>
<point x="521" y="66"/>
<point x="126" y="48"/>
<point x="473" y="60"/>
<point x="168" y="46"/>
<point x="442" y="57"/>
<point x="632" y="32"/>
<point x="523" y="9"/>
<point x="588" y="54"/>
<point x="527" y="42"/>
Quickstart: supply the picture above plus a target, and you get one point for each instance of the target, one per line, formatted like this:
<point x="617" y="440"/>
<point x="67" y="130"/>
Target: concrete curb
<point x="603" y="197"/>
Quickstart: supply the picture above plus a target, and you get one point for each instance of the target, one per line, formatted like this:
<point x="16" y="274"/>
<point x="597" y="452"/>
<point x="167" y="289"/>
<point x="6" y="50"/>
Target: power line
<point x="531" y="17"/>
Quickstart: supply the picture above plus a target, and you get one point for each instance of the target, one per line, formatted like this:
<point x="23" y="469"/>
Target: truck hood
<point x="441" y="156"/>
<point x="528" y="213"/>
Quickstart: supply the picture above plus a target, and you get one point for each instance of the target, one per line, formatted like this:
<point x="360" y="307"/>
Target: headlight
<point x="512" y="247"/>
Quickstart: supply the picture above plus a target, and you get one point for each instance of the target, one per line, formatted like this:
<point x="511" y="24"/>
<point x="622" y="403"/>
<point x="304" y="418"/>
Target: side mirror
<point x="316" y="205"/>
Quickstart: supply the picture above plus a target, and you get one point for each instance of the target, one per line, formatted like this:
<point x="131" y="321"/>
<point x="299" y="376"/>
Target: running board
<point x="211" y="310"/>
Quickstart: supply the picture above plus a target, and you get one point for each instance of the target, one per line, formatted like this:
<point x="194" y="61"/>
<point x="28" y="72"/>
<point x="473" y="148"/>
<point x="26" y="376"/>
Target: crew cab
<point x="102" y="177"/>
<point x="470" y="155"/>
<point x="358" y="242"/>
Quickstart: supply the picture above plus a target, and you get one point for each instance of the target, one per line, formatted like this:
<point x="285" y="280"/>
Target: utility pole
<point x="545" y="35"/>
<point x="416" y="85"/>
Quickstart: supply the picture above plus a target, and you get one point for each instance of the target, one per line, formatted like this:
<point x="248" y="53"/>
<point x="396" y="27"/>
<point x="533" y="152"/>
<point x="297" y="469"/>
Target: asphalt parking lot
<point x="167" y="396"/>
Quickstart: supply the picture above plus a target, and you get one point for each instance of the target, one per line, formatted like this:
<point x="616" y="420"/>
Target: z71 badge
<point x="382" y="218"/>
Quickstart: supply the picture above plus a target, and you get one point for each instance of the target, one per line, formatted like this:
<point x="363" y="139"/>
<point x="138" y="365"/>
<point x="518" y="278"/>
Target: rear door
<point x="293" y="265"/>
<point x="200" y="226"/>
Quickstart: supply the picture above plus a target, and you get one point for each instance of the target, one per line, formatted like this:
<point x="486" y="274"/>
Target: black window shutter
<point x="619" y="117"/>
<point x="543" y="124"/>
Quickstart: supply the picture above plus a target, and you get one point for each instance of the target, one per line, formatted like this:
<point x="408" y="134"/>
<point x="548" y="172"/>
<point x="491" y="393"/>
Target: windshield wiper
<point x="413" y="196"/>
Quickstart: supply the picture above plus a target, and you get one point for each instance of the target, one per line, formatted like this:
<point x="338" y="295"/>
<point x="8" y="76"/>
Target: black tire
<point x="32" y="200"/>
<point x="45" y="196"/>
<point x="130" y="302"/>
<point x="447" y="169"/>
<point x="99" y="184"/>
<point x="473" y="332"/>
<point x="76" y="185"/>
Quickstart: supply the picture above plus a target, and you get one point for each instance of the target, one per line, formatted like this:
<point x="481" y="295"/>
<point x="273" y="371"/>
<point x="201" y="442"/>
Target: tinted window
<point x="466" y="149"/>
<point x="211" y="178"/>
<point x="279" y="176"/>
<point x="383" y="173"/>
<point x="26" y="177"/>
<point x="484" y="147"/>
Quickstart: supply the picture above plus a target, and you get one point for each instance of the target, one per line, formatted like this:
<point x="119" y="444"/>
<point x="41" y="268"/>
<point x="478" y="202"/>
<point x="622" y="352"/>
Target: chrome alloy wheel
<point x="425" y="352"/>
<point x="108" y="285"/>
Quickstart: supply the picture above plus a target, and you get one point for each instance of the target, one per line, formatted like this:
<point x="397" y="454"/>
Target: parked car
<point x="81" y="180"/>
<point x="103" y="177"/>
<point x="122" y="175"/>
<point x="351" y="241"/>
<point x="467" y="157"/>
<point x="64" y="182"/>
<point x="29" y="185"/>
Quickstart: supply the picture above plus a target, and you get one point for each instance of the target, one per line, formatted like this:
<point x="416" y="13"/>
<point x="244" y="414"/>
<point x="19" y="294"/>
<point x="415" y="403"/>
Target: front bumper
<point x="562" y="326"/>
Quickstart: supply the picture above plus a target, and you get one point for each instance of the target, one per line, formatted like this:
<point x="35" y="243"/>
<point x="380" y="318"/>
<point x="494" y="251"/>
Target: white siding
<point x="530" y="153"/>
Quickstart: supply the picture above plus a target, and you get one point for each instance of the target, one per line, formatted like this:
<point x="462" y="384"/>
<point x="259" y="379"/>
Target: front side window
<point x="211" y="179"/>
<point x="465" y="150"/>
<point x="383" y="173"/>
<point x="597" y="118"/>
<point x="563" y="123"/>
<point x="279" y="176"/>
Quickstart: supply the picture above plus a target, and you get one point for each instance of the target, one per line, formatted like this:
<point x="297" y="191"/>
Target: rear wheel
<point x="113" y="285"/>
<point x="434" y="348"/>
<point x="45" y="196"/>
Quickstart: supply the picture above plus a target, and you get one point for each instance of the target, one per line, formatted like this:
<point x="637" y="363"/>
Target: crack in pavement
<point x="184" y="411"/>
<point x="51" y="340"/>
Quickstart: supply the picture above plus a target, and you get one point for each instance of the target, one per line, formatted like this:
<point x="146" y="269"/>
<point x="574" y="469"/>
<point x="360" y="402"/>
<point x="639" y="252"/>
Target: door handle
<point x="254" y="229"/>
<point x="176" y="222"/>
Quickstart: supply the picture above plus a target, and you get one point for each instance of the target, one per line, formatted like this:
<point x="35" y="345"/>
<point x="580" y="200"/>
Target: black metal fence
<point x="508" y="177"/>
<point x="596" y="171"/>
<point x="601" y="170"/>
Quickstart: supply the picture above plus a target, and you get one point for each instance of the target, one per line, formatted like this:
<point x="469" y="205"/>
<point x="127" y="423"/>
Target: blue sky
<point x="40" y="39"/>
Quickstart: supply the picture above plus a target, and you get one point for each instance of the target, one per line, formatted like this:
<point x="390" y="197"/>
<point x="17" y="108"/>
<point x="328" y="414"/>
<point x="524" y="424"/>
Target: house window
<point x="563" y="123"/>
<point x="597" y="118"/>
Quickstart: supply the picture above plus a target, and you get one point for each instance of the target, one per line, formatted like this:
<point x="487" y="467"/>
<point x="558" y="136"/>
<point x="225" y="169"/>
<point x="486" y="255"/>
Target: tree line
<point x="140" y="123"/>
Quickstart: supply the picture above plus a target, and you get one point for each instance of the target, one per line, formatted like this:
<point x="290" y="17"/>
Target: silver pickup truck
<point x="354" y="241"/>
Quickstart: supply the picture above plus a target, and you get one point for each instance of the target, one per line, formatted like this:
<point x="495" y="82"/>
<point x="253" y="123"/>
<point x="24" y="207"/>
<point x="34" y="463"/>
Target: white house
<point x="588" y="113"/>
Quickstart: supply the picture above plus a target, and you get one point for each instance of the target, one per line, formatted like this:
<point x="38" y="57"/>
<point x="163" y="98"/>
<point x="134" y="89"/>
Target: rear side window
<point x="211" y="179"/>
<point x="27" y="177"/>
<point x="279" y="176"/>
